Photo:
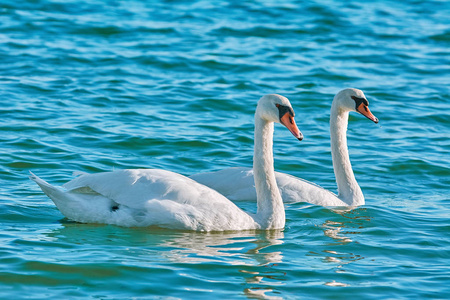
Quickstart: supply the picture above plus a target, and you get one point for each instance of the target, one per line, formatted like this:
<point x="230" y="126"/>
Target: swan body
<point x="146" y="197"/>
<point x="238" y="183"/>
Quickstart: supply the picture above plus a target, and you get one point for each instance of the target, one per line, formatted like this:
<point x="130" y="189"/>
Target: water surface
<point x="101" y="85"/>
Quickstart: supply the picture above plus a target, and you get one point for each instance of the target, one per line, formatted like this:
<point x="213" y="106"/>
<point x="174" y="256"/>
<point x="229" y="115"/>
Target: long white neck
<point x="270" y="213"/>
<point x="348" y="189"/>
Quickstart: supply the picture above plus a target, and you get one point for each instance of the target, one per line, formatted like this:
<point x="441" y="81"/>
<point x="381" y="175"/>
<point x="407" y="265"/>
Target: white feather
<point x="238" y="183"/>
<point x="146" y="197"/>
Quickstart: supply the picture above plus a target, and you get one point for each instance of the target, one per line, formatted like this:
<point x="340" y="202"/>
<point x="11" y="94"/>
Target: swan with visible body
<point x="238" y="183"/>
<point x="146" y="197"/>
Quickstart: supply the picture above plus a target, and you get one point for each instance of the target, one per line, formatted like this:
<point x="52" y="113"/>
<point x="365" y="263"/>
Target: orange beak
<point x="288" y="121"/>
<point x="365" y="111"/>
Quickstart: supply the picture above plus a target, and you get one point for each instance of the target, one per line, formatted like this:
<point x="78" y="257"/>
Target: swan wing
<point x="294" y="189"/>
<point x="237" y="184"/>
<point x="135" y="187"/>
<point x="145" y="197"/>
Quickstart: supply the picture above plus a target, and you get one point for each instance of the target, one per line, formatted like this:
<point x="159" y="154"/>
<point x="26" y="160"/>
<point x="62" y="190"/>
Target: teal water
<point x="100" y="85"/>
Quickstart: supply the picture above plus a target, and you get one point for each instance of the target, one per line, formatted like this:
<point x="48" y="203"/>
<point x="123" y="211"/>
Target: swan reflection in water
<point x="239" y="248"/>
<point x="260" y="263"/>
<point x="250" y="251"/>
<point x="248" y="259"/>
<point x="343" y="231"/>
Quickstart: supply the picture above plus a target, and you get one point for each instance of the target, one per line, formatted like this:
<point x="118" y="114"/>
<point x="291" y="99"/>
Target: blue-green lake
<point x="97" y="86"/>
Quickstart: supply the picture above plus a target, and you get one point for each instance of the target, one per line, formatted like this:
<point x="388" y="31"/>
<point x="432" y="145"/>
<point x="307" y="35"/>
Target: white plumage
<point x="146" y="197"/>
<point x="238" y="183"/>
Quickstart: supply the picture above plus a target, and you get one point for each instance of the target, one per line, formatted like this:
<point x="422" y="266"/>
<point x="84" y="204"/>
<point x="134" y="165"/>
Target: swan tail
<point x="64" y="201"/>
<point x="80" y="205"/>
<point x="48" y="189"/>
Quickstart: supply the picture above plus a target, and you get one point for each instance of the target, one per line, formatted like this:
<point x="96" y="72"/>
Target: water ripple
<point x="102" y="85"/>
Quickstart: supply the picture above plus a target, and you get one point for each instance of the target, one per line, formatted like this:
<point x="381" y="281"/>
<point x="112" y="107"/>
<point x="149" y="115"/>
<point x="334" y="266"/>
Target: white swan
<point x="147" y="197"/>
<point x="238" y="183"/>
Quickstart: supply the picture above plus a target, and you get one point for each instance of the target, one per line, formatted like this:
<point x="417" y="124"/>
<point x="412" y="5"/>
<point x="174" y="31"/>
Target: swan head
<point x="278" y="109"/>
<point x="354" y="100"/>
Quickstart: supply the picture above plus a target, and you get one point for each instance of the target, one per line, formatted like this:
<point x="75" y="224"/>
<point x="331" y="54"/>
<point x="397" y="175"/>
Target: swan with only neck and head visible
<point x="146" y="197"/>
<point x="238" y="183"/>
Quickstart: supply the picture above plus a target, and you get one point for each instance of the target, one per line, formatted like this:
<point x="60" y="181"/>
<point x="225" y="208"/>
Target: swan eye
<point x="359" y="100"/>
<point x="283" y="109"/>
